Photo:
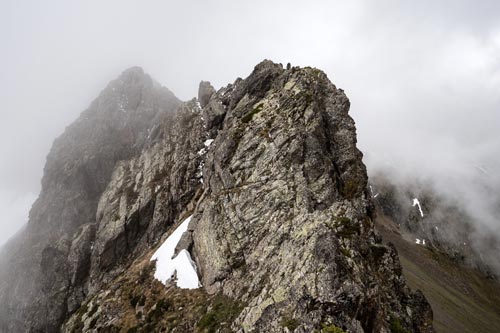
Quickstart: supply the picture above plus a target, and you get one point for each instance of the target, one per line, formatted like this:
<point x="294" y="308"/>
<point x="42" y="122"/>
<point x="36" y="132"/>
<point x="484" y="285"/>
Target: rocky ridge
<point x="282" y="229"/>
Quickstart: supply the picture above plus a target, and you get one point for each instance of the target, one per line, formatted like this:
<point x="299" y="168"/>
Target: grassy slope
<point x="462" y="299"/>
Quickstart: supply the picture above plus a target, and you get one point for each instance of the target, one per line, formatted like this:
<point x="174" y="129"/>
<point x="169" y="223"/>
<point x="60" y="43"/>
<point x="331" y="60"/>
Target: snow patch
<point x="182" y="266"/>
<point x="420" y="241"/>
<point x="202" y="152"/>
<point x="417" y="203"/>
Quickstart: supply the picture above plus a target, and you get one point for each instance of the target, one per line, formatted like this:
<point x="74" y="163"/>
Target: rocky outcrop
<point x="285" y="224"/>
<point x="282" y="224"/>
<point x="205" y="91"/>
<point x="147" y="194"/>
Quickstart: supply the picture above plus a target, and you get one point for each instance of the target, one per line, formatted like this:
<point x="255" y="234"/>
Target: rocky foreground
<point x="282" y="223"/>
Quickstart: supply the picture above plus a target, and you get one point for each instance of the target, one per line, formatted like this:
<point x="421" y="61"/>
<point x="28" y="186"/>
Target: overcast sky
<point x="423" y="77"/>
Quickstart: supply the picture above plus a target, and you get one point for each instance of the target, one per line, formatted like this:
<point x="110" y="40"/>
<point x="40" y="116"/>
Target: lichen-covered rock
<point x="285" y="223"/>
<point x="282" y="228"/>
<point x="147" y="194"/>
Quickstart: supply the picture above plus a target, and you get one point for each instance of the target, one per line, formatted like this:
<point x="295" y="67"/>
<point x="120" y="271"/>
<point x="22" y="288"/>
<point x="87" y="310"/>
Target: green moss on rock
<point x="395" y="325"/>
<point x="290" y="323"/>
<point x="222" y="313"/>
<point x="331" y="329"/>
<point x="249" y="116"/>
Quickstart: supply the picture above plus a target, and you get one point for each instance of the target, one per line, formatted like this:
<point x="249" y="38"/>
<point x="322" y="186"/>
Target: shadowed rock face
<point x="44" y="274"/>
<point x="282" y="222"/>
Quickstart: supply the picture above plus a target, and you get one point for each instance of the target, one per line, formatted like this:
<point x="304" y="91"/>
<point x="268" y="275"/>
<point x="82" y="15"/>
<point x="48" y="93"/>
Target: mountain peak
<point x="134" y="71"/>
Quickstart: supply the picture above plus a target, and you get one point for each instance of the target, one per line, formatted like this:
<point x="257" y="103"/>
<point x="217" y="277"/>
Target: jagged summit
<point x="281" y="228"/>
<point x="47" y="265"/>
<point x="132" y="76"/>
<point x="205" y="91"/>
<point x="136" y="71"/>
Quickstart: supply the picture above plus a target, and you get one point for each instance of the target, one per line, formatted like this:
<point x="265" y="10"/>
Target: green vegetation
<point x="160" y="307"/>
<point x="309" y="97"/>
<point x="345" y="252"/>
<point x="224" y="310"/>
<point x="290" y="323"/>
<point x="395" y="325"/>
<point x="331" y="329"/>
<point x="249" y="116"/>
<point x="316" y="73"/>
<point x="350" y="188"/>
<point x="78" y="327"/>
<point x="342" y="220"/>
<point x="344" y="227"/>
<point x="82" y="310"/>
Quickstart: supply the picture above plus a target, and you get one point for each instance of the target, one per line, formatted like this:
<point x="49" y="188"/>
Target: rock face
<point x="44" y="276"/>
<point x="285" y="224"/>
<point x="282" y="222"/>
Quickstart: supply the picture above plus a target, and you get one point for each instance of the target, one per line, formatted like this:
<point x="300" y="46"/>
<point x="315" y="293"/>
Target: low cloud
<point x="14" y="209"/>
<point x="423" y="77"/>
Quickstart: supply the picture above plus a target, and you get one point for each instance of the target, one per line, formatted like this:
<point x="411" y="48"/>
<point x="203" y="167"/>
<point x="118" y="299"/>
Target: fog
<point x="423" y="77"/>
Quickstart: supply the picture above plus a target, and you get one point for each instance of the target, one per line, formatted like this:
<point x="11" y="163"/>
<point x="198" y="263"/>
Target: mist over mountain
<point x="422" y="77"/>
<point x="97" y="175"/>
<point x="270" y="188"/>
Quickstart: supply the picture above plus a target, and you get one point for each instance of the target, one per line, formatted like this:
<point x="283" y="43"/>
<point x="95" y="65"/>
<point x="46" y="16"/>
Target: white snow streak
<point x="420" y="241"/>
<point x="374" y="195"/>
<point x="417" y="203"/>
<point x="182" y="266"/>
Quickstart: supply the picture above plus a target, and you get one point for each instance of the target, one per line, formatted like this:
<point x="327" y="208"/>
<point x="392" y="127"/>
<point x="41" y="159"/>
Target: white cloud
<point x="14" y="210"/>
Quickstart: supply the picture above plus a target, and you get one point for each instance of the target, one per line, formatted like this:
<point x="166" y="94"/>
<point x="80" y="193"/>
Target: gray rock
<point x="282" y="221"/>
<point x="286" y="225"/>
<point x="205" y="91"/>
<point x="46" y="264"/>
